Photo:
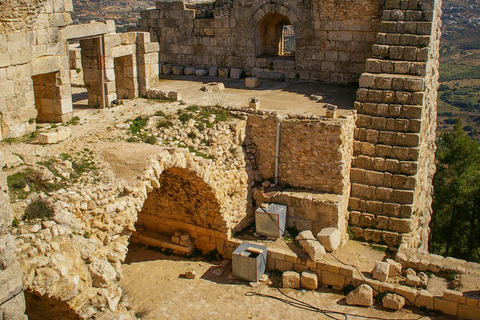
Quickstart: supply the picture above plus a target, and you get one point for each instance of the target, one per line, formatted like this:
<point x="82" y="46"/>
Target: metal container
<point x="249" y="261"/>
<point x="270" y="221"/>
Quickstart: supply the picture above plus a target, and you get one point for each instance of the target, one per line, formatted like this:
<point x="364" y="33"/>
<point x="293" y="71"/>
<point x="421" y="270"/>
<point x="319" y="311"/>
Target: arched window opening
<point x="275" y="36"/>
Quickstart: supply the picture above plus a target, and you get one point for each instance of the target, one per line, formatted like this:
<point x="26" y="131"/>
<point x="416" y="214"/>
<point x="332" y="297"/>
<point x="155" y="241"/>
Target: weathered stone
<point x="309" y="280"/>
<point x="381" y="271"/>
<point x="393" y="301"/>
<point x="308" y="242"/>
<point x="361" y="296"/>
<point x="252" y="82"/>
<point x="395" y="268"/>
<point x="59" y="134"/>
<point x="236" y="73"/>
<point x="291" y="279"/>
<point x="102" y="273"/>
<point x="189" y="70"/>
<point x="201" y="72"/>
<point x="330" y="238"/>
<point x="412" y="280"/>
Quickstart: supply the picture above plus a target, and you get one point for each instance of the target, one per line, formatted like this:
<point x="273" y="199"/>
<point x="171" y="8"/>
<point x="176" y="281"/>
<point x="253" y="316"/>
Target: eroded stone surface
<point x="361" y="296"/>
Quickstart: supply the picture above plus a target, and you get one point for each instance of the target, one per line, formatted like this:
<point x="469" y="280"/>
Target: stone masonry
<point x="395" y="137"/>
<point x="12" y="300"/>
<point x="332" y="41"/>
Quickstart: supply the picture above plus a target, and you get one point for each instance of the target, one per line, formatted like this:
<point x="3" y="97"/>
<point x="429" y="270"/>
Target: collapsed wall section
<point x="394" y="146"/>
<point x="12" y="299"/>
<point x="330" y="41"/>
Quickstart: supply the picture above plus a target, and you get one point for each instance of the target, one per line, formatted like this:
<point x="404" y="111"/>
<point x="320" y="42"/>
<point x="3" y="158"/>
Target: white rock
<point x="395" y="268"/>
<point x="381" y="271"/>
<point x="330" y="238"/>
<point x="309" y="280"/>
<point x="61" y="133"/>
<point x="361" y="296"/>
<point x="102" y="273"/>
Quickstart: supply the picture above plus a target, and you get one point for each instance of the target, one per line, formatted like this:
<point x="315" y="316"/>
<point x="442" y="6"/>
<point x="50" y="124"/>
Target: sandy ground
<point x="157" y="288"/>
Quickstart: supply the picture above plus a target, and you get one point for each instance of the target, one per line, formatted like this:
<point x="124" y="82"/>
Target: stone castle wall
<point x="332" y="41"/>
<point x="394" y="145"/>
<point x="12" y="299"/>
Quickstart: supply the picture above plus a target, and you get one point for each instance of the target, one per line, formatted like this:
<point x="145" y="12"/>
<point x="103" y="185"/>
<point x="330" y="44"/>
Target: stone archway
<point x="190" y="194"/>
<point x="273" y="34"/>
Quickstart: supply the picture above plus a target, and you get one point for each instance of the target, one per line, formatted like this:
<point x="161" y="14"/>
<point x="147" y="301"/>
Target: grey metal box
<point x="249" y="261"/>
<point x="270" y="221"/>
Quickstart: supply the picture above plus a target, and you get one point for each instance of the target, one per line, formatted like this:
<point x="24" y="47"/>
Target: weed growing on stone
<point x="15" y="223"/>
<point x="22" y="183"/>
<point x="72" y="121"/>
<point x="38" y="209"/>
<point x="137" y="124"/>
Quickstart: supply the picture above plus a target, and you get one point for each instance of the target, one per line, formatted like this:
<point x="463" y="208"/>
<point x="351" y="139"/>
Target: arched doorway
<point x="275" y="36"/>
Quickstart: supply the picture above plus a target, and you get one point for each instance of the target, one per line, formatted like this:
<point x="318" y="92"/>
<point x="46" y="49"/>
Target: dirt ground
<point x="157" y="287"/>
<point x="154" y="282"/>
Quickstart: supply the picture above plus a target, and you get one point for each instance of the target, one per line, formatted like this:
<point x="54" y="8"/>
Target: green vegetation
<point x="347" y="289"/>
<point x="449" y="72"/>
<point x="72" y="121"/>
<point x="18" y="182"/>
<point x="137" y="124"/>
<point x="455" y="225"/>
<point x="15" y="223"/>
<point x="465" y="98"/>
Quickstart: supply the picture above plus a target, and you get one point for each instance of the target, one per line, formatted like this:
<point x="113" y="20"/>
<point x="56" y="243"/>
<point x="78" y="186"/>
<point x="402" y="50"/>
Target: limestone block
<point x="178" y="70"/>
<point x="167" y="69"/>
<point x="270" y="76"/>
<point x="189" y="71"/>
<point x="11" y="160"/>
<point x="381" y="271"/>
<point x="102" y="273"/>
<point x="59" y="134"/>
<point x="14" y="309"/>
<point x="308" y="242"/>
<point x="291" y="279"/>
<point x="309" y="280"/>
<point x="330" y="238"/>
<point x="412" y="280"/>
<point x="236" y="73"/>
<point x="395" y="268"/>
<point x="213" y="87"/>
<point x="123" y="50"/>
<point x="201" y="72"/>
<point x="393" y="301"/>
<point x="149" y="47"/>
<point x="143" y="37"/>
<point x="252" y="82"/>
<point x="223" y="72"/>
<point x="213" y="72"/>
<point x="361" y="296"/>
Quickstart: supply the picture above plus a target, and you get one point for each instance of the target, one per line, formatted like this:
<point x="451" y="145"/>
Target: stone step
<point x="399" y="39"/>
<point x="270" y="76"/>
<point x="406" y="53"/>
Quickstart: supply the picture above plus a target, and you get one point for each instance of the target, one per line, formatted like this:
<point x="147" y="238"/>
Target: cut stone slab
<point x="252" y="82"/>
<point x="213" y="87"/>
<point x="361" y="296"/>
<point x="223" y="72"/>
<point x="309" y="280"/>
<point x="291" y="279"/>
<point x="330" y="238"/>
<point x="59" y="134"/>
<point x="213" y="72"/>
<point x="308" y="242"/>
<point x="236" y="73"/>
<point x="189" y="71"/>
<point x="270" y="76"/>
<point x="177" y="70"/>
<point x="393" y="301"/>
<point x="167" y="69"/>
<point x="381" y="271"/>
<point x="201" y="72"/>
<point x="395" y="268"/>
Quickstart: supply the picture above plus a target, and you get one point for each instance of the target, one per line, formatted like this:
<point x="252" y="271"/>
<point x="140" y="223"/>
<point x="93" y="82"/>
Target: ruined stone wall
<point x="332" y="39"/>
<point x="194" y="195"/>
<point x="29" y="47"/>
<point x="314" y="154"/>
<point x="394" y="142"/>
<point x="12" y="299"/>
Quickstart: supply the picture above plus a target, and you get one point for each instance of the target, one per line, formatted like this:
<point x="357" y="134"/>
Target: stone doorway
<point x="52" y="97"/>
<point x="125" y="77"/>
<point x="275" y="36"/>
